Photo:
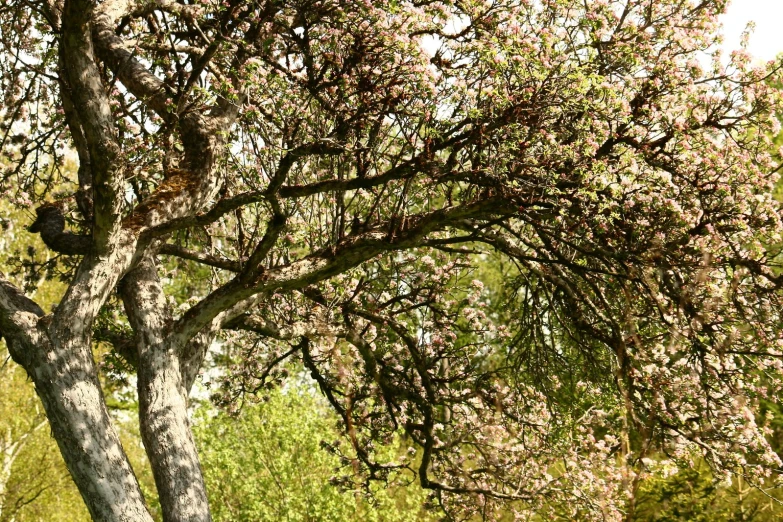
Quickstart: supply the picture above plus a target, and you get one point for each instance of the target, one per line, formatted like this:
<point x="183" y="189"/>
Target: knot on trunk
<point x="50" y="223"/>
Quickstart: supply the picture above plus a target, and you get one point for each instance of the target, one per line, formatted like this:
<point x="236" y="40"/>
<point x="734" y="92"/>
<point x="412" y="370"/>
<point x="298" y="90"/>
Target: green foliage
<point x="694" y="495"/>
<point x="268" y="464"/>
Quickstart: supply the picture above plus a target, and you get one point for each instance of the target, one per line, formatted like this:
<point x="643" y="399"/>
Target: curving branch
<point x="50" y="223"/>
<point x="290" y="332"/>
<point x="19" y="317"/>
<point x="112" y="50"/>
<point x="84" y="196"/>
<point x="199" y="257"/>
<point x="351" y="252"/>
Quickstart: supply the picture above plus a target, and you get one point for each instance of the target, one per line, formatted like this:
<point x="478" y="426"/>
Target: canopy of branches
<point x="334" y="184"/>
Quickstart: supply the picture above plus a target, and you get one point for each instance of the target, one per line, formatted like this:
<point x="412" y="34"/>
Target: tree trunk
<point x="56" y="352"/>
<point x="163" y="414"/>
<point x="168" y="439"/>
<point x="66" y="381"/>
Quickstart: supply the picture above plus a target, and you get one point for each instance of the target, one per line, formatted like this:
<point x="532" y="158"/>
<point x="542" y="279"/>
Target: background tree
<point x="339" y="167"/>
<point x="267" y="464"/>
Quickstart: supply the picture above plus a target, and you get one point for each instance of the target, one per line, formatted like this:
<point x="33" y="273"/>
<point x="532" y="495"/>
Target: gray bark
<point x="59" y="361"/>
<point x="56" y="350"/>
<point x="163" y="414"/>
<point x="66" y="381"/>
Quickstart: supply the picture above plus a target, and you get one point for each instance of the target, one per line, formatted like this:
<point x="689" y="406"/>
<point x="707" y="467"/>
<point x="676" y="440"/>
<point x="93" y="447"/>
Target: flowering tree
<point x="331" y="172"/>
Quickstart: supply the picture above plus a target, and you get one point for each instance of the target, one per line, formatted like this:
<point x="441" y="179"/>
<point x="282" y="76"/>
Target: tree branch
<point x="97" y="121"/>
<point x="288" y="332"/>
<point x="351" y="252"/>
<point x="134" y="76"/>
<point x="50" y="223"/>
<point x="204" y="259"/>
<point x="19" y="317"/>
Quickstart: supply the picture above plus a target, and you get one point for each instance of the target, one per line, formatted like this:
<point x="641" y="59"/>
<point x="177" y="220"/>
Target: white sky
<point x="767" y="39"/>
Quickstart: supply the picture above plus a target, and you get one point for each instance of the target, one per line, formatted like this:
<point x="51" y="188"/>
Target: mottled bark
<point x="163" y="414"/>
<point x="50" y="223"/>
<point x="96" y="119"/>
<point x="59" y="361"/>
<point x="55" y="350"/>
<point x="167" y="354"/>
<point x="66" y="381"/>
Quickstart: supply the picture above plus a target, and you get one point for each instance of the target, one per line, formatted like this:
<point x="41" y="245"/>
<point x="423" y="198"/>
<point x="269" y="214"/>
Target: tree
<point x="266" y="465"/>
<point x="338" y="168"/>
<point x="34" y="482"/>
<point x="32" y="473"/>
<point x="27" y="470"/>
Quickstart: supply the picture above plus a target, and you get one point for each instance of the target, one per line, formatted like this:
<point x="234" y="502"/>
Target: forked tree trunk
<point x="59" y="360"/>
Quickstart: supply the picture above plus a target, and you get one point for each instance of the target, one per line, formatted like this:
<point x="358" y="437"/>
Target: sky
<point x="767" y="39"/>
